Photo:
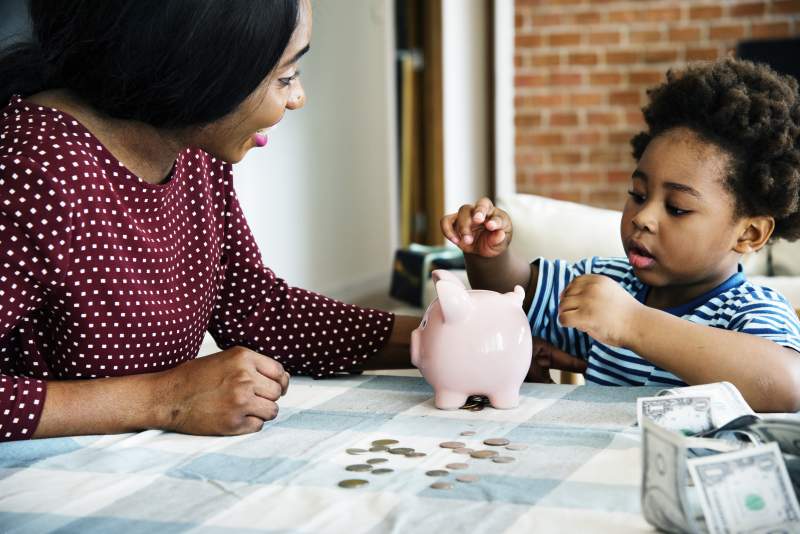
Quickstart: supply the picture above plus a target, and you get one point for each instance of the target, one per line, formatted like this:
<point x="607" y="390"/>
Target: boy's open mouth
<point x="640" y="257"/>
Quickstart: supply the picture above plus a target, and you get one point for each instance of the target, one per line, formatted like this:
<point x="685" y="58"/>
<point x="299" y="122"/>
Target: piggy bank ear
<point x="444" y="274"/>
<point x="454" y="299"/>
<point x="518" y="295"/>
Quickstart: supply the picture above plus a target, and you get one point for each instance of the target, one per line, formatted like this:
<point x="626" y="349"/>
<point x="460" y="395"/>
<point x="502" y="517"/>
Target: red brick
<point x="604" y="38"/>
<point x="620" y="138"/>
<point x="645" y="77"/>
<point x="702" y="54"/>
<point x="645" y="36"/>
<point x="606" y="155"/>
<point x="547" y="139"/>
<point x="771" y="29"/>
<point x="684" y="34"/>
<point x="547" y="177"/>
<point x="622" y="57"/>
<point x="530" y="80"/>
<point x="586" y="138"/>
<point x="605" y="78"/>
<point x="526" y="158"/>
<point x="519" y="21"/>
<point x="583" y="58"/>
<point x="586" y="177"/>
<point x="748" y="10"/>
<point x="660" y="56"/>
<point x="528" y="120"/>
<point x="615" y="176"/>
<point x="550" y="100"/>
<point x="634" y="118"/>
<point x="625" y="98"/>
<point x="602" y="118"/>
<point x="565" y="158"/>
<point x="563" y="39"/>
<point x="664" y="14"/>
<point x="705" y="12"/>
<point x="564" y="78"/>
<point x="566" y="118"/>
<point x="727" y="32"/>
<point x="588" y="17"/>
<point x="786" y="6"/>
<point x="545" y="60"/>
<point x="528" y="40"/>
<point x="586" y="99"/>
<point x="547" y="20"/>
<point x="623" y="16"/>
<point x="609" y="199"/>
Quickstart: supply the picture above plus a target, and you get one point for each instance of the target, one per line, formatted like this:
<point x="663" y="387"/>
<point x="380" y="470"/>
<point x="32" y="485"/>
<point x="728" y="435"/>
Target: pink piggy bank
<point x="472" y="342"/>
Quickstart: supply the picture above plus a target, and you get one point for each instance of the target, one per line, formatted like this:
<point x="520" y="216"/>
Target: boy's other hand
<point x="547" y="356"/>
<point x="480" y="229"/>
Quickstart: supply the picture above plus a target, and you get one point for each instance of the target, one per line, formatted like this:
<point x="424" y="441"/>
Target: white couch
<point x="571" y="231"/>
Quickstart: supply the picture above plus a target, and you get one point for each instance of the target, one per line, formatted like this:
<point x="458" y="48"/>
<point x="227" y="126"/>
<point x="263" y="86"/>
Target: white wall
<point x="465" y="98"/>
<point x="505" y="174"/>
<point x="321" y="197"/>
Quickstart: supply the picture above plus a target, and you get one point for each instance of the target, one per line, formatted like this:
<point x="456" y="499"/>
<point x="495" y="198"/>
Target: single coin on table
<point x="353" y="483"/>
<point x="483" y="454"/>
<point x="457" y="465"/>
<point x="401" y="450"/>
<point x="382" y="471"/>
<point x="496" y="442"/>
<point x="373" y="461"/>
<point x="451" y="444"/>
<point x="468" y="478"/>
<point x="356" y="451"/>
<point x="384" y="442"/>
<point x="359" y="467"/>
<point x="415" y="454"/>
<point x="516" y="446"/>
<point x="437" y="473"/>
<point x="442" y="485"/>
<point x="378" y="448"/>
<point x="503" y="459"/>
<point x="468" y="433"/>
<point x="463" y="450"/>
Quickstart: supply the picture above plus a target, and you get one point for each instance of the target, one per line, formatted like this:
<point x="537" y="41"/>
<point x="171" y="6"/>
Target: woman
<point x="121" y="237"/>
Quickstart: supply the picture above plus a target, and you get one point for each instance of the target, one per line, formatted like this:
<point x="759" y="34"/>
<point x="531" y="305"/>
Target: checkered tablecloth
<point x="580" y="473"/>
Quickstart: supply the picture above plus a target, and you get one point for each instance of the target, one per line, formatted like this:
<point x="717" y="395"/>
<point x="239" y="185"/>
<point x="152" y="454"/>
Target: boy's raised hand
<point x="480" y="229"/>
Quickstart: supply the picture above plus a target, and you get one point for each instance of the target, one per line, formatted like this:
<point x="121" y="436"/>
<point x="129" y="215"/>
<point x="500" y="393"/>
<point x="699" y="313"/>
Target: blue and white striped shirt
<point x="736" y="305"/>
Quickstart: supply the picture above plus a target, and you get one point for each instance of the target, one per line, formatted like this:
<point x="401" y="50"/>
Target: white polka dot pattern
<point x="103" y="274"/>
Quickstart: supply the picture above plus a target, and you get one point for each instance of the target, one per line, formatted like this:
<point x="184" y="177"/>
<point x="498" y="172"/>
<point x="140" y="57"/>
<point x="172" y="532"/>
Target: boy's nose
<point x="645" y="221"/>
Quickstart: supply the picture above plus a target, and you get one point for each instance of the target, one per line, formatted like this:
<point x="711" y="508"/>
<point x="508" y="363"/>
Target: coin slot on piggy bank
<point x="472" y="342"/>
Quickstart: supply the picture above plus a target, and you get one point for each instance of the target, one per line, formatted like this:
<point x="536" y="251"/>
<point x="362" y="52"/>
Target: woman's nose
<point x="298" y="97"/>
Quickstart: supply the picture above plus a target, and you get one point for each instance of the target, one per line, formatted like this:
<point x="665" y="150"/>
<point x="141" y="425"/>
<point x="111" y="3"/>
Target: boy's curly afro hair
<point x="752" y="113"/>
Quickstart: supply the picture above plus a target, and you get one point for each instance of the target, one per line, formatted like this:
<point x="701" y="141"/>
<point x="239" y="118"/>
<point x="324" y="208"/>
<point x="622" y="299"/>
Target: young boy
<point x="717" y="176"/>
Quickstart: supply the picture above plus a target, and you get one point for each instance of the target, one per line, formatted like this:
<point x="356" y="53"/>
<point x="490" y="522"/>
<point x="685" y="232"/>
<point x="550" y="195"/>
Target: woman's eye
<point x="285" y="82"/>
<point x="636" y="197"/>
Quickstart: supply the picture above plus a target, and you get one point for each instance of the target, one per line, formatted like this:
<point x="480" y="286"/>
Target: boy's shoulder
<point x="751" y="294"/>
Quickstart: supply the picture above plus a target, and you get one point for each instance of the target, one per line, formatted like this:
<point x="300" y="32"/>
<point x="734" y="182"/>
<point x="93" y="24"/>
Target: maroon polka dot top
<point x="103" y="274"/>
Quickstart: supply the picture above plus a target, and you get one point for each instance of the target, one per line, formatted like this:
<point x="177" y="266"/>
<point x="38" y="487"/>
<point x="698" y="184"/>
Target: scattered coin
<point x="468" y="478"/>
<point x="384" y="442"/>
<point x="353" y="483"/>
<point x="382" y="471"/>
<point x="378" y="448"/>
<point x="359" y="467"/>
<point x="503" y="459"/>
<point x="516" y="447"/>
<point x="373" y="461"/>
<point x="415" y="454"/>
<point x="451" y="445"/>
<point x="463" y="450"/>
<point x="401" y="450"/>
<point x="437" y="473"/>
<point x="475" y="403"/>
<point x="496" y="442"/>
<point x="457" y="465"/>
<point x="483" y="454"/>
<point x="468" y="433"/>
<point x="442" y="485"/>
<point x="356" y="451"/>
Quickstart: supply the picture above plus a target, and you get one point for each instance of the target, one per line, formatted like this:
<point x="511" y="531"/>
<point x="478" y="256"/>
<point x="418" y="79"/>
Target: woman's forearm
<point x="767" y="374"/>
<point x="396" y="353"/>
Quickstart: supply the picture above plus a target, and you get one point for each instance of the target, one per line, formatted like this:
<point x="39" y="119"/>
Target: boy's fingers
<point x="483" y="208"/>
<point x="446" y="225"/>
<point x="463" y="224"/>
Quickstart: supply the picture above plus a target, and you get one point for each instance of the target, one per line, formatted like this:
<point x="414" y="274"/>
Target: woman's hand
<point x="230" y="392"/>
<point x="547" y="356"/>
<point x="481" y="229"/>
<point x="599" y="306"/>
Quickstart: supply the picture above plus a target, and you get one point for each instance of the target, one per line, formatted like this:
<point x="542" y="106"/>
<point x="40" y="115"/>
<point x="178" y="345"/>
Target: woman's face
<point x="246" y="127"/>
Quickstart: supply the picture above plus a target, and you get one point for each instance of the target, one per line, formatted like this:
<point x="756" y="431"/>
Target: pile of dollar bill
<point x="712" y="465"/>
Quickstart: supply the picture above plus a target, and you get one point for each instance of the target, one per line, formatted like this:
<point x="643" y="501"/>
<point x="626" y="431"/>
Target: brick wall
<point x="582" y="69"/>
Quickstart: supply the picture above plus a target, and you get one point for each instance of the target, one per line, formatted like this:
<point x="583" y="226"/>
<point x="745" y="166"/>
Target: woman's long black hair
<point x="167" y="63"/>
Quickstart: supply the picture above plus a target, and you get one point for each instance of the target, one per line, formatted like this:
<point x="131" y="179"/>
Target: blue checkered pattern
<point x="581" y="472"/>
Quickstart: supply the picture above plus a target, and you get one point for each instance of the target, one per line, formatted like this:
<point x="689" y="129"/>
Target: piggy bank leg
<point x="505" y="400"/>
<point x="449" y="400"/>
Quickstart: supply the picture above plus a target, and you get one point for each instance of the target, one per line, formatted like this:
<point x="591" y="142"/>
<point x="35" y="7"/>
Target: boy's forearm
<point x="767" y="374"/>
<point x="502" y="273"/>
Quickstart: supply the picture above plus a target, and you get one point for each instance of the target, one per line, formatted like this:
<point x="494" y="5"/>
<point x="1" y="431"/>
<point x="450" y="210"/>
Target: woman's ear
<point x="755" y="233"/>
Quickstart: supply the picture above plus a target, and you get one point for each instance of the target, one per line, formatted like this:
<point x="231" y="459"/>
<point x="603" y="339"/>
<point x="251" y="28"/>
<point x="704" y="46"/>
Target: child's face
<point x="678" y="225"/>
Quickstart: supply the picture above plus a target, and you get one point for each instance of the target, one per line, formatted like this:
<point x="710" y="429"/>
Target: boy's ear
<point x="756" y="231"/>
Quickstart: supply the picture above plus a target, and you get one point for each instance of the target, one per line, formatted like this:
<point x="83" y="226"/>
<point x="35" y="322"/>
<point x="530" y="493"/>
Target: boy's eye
<point x="672" y="210"/>
<point x="636" y="197"/>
